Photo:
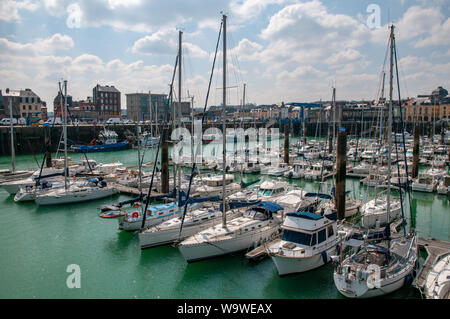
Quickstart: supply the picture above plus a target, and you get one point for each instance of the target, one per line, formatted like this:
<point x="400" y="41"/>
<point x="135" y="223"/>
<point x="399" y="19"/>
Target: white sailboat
<point x="195" y="221"/>
<point x="379" y="268"/>
<point x="256" y="226"/>
<point x="72" y="193"/>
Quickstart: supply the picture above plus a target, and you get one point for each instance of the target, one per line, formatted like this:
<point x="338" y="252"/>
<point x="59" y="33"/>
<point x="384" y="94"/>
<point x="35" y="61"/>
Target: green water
<point x="38" y="243"/>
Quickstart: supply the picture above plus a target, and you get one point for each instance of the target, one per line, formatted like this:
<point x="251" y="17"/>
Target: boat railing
<point x="305" y="252"/>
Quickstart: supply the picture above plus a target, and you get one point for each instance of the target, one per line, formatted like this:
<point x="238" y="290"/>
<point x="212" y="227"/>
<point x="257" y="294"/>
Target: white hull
<point x="205" y="250"/>
<point x="132" y="225"/>
<point x="369" y="218"/>
<point x="426" y="188"/>
<point x="291" y="265"/>
<point x="13" y="187"/>
<point x="166" y="236"/>
<point x="359" y="289"/>
<point x="71" y="197"/>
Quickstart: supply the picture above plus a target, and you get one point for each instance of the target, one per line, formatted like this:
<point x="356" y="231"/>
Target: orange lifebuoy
<point x="135" y="215"/>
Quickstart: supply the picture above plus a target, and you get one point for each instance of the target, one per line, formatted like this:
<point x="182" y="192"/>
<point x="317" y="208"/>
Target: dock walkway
<point x="260" y="252"/>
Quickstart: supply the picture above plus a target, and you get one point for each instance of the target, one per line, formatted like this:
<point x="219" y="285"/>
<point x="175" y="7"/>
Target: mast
<point x="13" y="151"/>
<point x="224" y="135"/>
<point x="333" y="103"/>
<point x="180" y="35"/>
<point x="192" y="128"/>
<point x="382" y="88"/>
<point x="139" y="157"/>
<point x="65" y="134"/>
<point x="389" y="128"/>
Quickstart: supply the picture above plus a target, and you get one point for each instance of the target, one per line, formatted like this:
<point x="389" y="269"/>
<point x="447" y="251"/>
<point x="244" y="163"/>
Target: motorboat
<point x="308" y="241"/>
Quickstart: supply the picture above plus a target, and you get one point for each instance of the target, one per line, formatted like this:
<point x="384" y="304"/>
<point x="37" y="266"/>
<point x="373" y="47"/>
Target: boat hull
<point x="291" y="265"/>
<point x="100" y="148"/>
<point x="73" y="198"/>
<point x="135" y="224"/>
<point x="359" y="288"/>
<point x="207" y="250"/>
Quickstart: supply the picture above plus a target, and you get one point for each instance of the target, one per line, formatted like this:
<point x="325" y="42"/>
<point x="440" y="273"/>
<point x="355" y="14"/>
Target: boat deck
<point x="435" y="249"/>
<point x="130" y="190"/>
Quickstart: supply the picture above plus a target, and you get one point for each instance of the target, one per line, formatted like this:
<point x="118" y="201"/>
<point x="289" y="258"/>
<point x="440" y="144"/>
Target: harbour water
<point x="38" y="243"/>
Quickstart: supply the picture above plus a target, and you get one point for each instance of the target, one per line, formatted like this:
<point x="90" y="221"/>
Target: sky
<point x="283" y="50"/>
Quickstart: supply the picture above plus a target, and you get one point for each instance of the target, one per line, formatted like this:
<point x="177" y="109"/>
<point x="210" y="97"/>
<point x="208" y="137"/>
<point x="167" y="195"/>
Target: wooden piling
<point x="341" y="165"/>
<point x="415" y="168"/>
<point x="330" y="143"/>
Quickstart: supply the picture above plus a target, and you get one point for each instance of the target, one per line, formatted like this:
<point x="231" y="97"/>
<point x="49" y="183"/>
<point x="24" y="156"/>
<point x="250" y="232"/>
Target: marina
<point x="62" y="235"/>
<point x="296" y="200"/>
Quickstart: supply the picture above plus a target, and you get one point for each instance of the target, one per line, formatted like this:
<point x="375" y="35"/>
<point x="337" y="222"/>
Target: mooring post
<point x="341" y="165"/>
<point x="286" y="143"/>
<point x="164" y="162"/>
<point x="415" y="168"/>
<point x="330" y="143"/>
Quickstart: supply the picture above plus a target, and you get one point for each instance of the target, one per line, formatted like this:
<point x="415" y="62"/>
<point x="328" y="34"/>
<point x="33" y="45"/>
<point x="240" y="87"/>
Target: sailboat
<point x="381" y="267"/>
<point x="13" y="174"/>
<point x="72" y="193"/>
<point x="258" y="224"/>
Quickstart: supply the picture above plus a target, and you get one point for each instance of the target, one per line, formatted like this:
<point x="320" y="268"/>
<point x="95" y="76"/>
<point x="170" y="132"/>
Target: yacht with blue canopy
<point x="257" y="225"/>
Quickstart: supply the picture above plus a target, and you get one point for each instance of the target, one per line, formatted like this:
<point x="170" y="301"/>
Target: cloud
<point x="29" y="65"/>
<point x="9" y="9"/>
<point x="165" y="42"/>
<point x="46" y="45"/>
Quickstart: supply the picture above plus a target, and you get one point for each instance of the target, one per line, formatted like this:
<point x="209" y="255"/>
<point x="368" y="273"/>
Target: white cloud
<point x="9" y="9"/>
<point x="165" y="42"/>
<point x="28" y="65"/>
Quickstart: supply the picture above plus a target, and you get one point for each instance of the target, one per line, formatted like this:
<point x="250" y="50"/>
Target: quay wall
<point x="29" y="140"/>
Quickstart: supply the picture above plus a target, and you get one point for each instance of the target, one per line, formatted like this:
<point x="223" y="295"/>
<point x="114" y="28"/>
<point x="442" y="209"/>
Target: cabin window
<point x="205" y="218"/>
<point x="321" y="236"/>
<point x="330" y="231"/>
<point x="299" y="237"/>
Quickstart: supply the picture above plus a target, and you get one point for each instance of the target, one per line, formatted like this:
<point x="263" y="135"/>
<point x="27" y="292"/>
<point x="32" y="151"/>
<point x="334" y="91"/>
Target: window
<point x="299" y="237"/>
<point x="29" y="107"/>
<point x="330" y="231"/>
<point x="23" y="107"/>
<point x="321" y="236"/>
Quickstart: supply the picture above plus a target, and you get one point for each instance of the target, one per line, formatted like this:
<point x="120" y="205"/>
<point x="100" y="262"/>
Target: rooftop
<point x="107" y="88"/>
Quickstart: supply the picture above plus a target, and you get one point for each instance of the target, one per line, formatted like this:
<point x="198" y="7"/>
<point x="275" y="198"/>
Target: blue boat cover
<point x="323" y="196"/>
<point x="305" y="215"/>
<point x="269" y="206"/>
<point x="234" y="205"/>
<point x="333" y="216"/>
<point x="199" y="200"/>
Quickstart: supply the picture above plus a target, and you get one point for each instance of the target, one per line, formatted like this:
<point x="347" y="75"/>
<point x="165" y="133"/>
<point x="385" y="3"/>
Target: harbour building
<point x="25" y="104"/>
<point x="106" y="101"/>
